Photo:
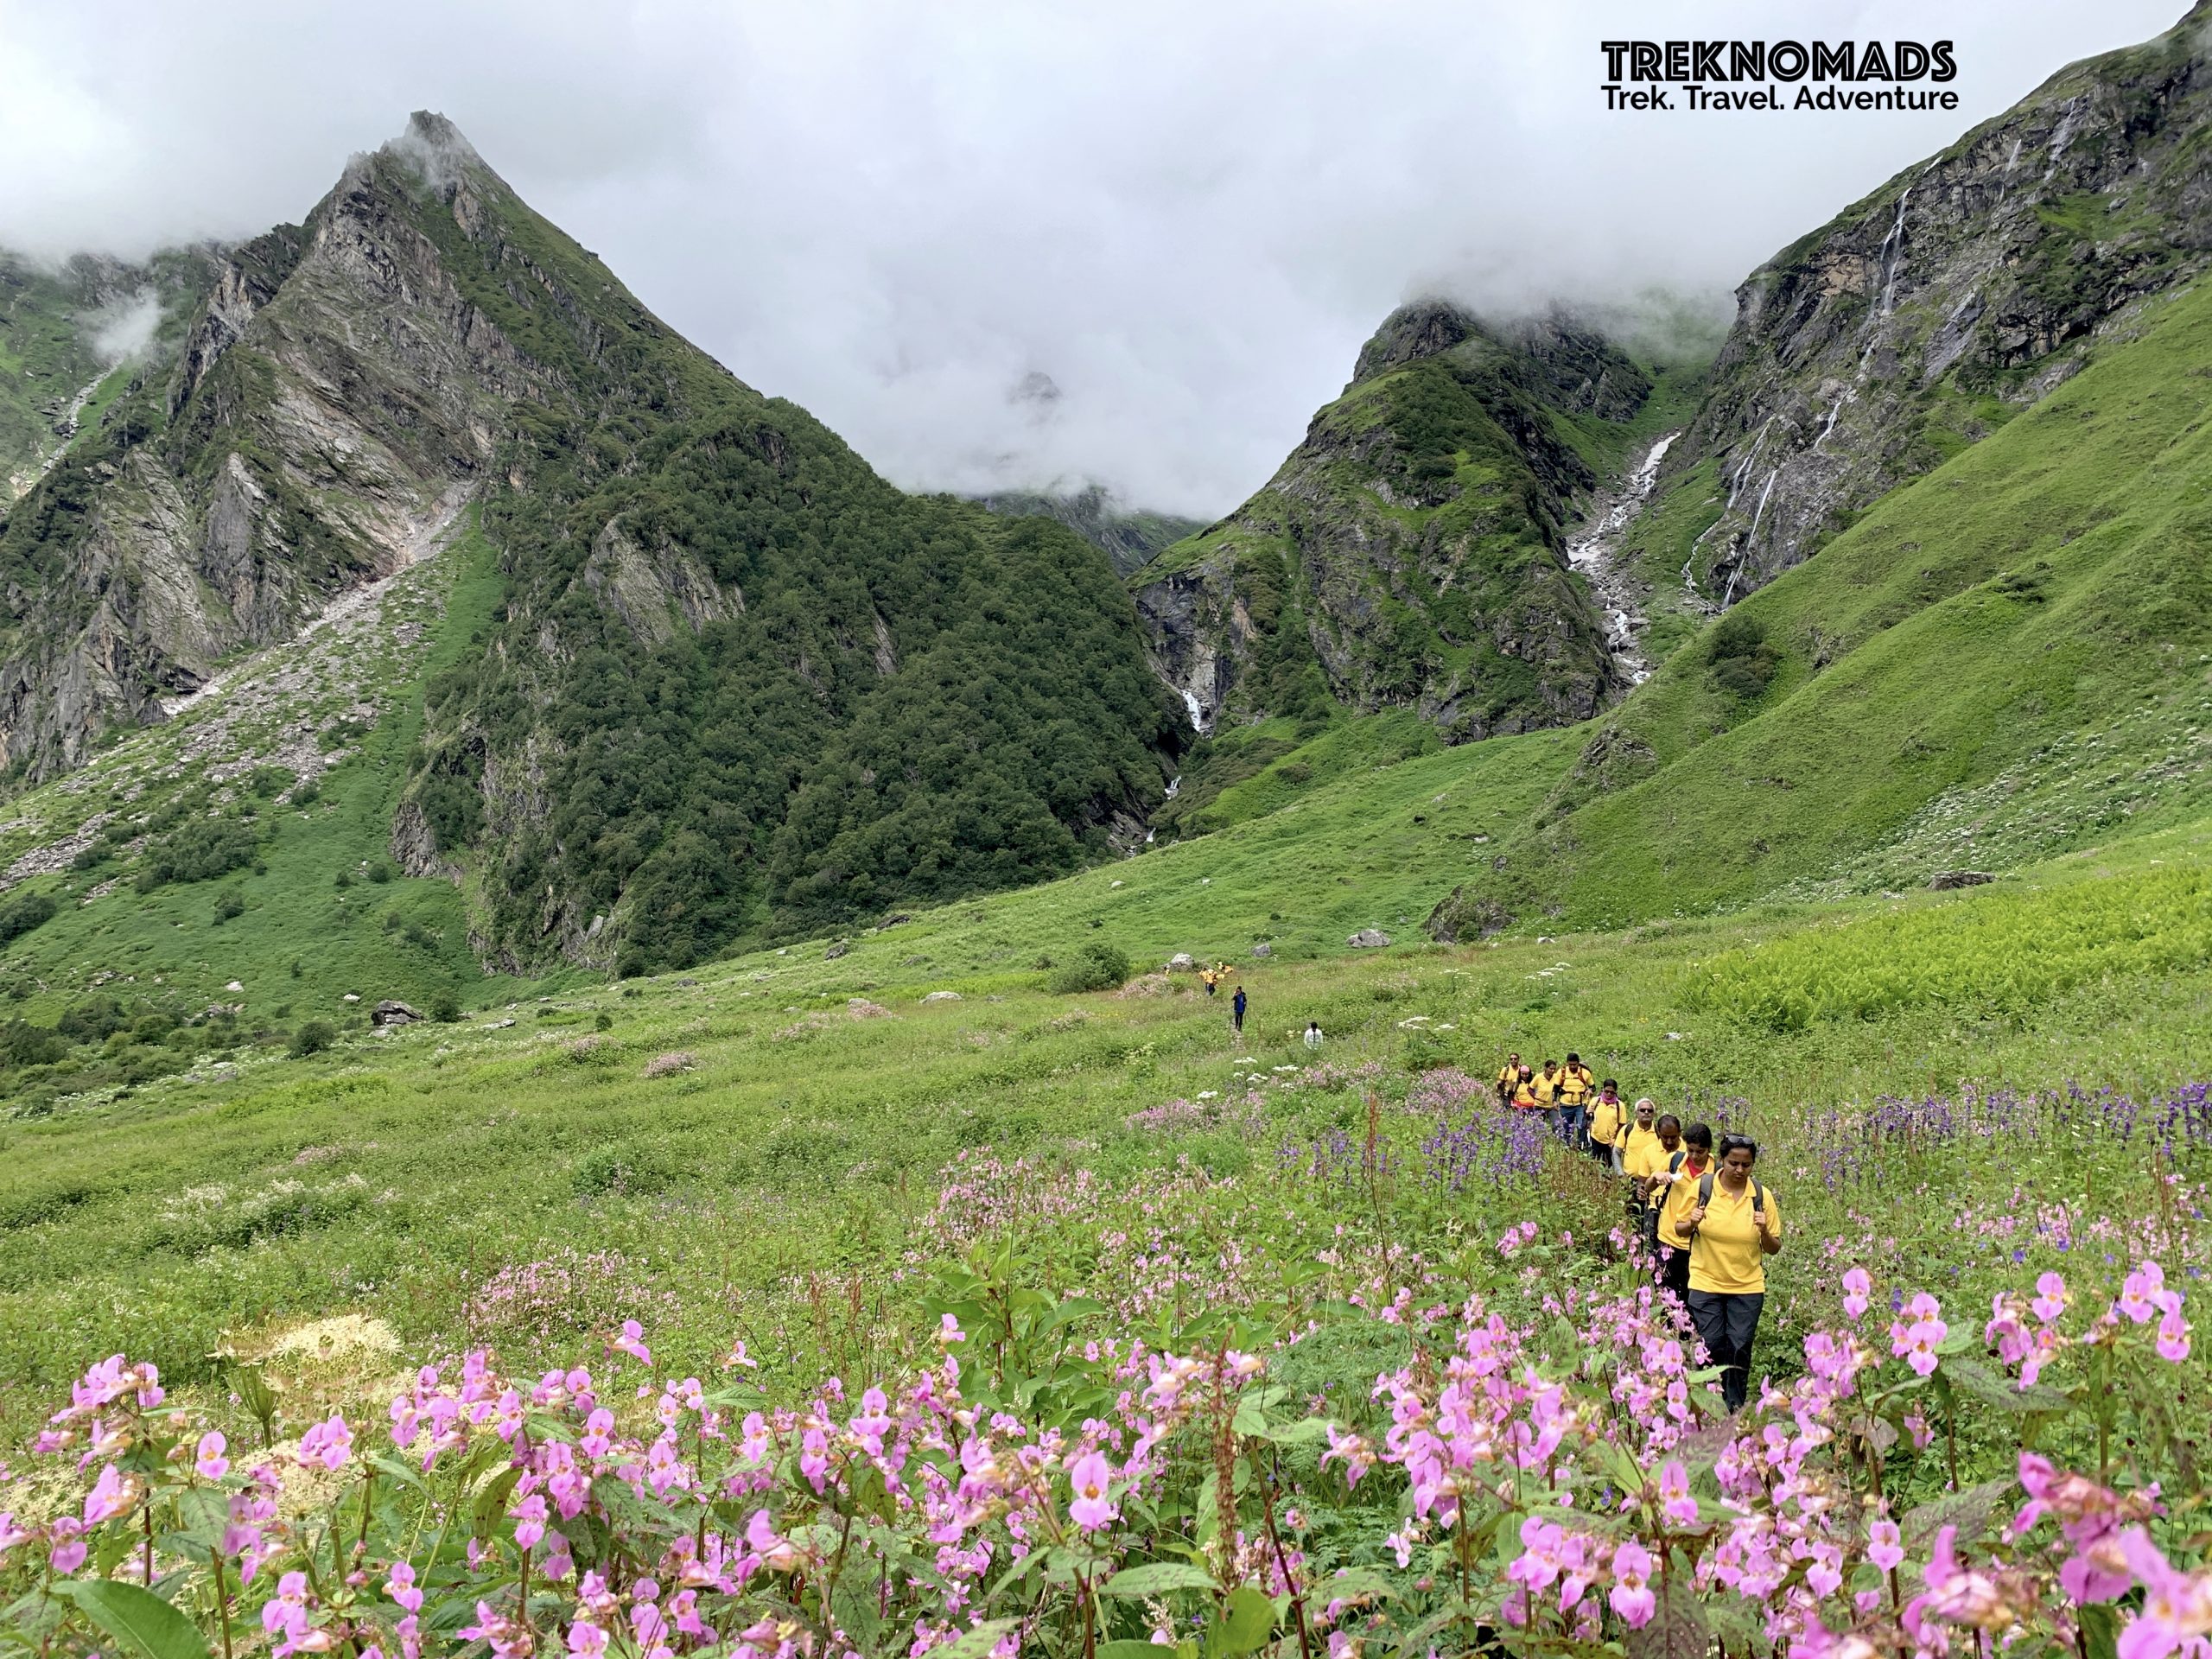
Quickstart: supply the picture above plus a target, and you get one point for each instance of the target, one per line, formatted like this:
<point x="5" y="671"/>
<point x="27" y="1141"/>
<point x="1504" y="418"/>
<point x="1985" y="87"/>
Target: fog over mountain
<point x="1187" y="217"/>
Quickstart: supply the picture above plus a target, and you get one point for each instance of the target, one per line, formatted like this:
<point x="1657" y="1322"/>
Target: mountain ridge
<point x="667" y="536"/>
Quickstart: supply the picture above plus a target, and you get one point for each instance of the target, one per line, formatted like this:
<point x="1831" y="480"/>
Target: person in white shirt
<point x="1313" y="1034"/>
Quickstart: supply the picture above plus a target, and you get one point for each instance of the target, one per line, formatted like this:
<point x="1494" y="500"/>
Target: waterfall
<point x="1830" y="426"/>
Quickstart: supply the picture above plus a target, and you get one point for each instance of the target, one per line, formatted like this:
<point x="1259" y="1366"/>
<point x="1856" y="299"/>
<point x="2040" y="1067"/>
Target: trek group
<point x="1706" y="1219"/>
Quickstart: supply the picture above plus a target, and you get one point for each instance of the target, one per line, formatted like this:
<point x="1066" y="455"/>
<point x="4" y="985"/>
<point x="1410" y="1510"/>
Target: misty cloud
<point x="125" y="329"/>
<point x="1185" y="218"/>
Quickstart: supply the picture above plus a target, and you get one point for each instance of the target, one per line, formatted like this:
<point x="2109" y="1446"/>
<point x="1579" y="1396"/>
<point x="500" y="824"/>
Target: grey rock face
<point x="1369" y="938"/>
<point x="333" y="390"/>
<point x="1959" y="292"/>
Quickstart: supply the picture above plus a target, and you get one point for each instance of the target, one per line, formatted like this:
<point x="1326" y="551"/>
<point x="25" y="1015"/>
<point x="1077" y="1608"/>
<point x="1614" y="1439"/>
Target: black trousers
<point x="1240" y="1021"/>
<point x="1725" y="1324"/>
<point x="1675" y="1272"/>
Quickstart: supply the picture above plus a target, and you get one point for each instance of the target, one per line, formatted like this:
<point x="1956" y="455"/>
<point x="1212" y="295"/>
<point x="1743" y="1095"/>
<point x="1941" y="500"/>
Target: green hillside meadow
<point x="851" y="1277"/>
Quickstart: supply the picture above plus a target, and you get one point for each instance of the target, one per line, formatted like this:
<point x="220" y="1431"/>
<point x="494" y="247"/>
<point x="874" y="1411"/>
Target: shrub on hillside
<point x="24" y="911"/>
<point x="1743" y="663"/>
<point x="197" y="852"/>
<point x="312" y="1037"/>
<point x="1097" y="966"/>
<point x="617" y="1171"/>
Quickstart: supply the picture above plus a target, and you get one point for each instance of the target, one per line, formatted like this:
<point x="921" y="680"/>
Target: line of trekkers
<point x="1708" y="1223"/>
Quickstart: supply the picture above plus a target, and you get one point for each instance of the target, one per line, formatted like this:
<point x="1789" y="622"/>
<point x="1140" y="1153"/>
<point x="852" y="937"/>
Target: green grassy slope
<point x="46" y="359"/>
<point x="1996" y="661"/>
<point x="278" y="922"/>
<point x="406" y="1175"/>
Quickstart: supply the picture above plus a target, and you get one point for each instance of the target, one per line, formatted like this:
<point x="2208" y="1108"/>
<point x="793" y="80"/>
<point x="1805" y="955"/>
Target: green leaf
<point x="1974" y="1379"/>
<point x="1074" y="1308"/>
<point x="1251" y="1417"/>
<point x="1130" y="1650"/>
<point x="1417" y="1639"/>
<point x="2100" y="1623"/>
<point x="1351" y="1582"/>
<point x="1248" y="1619"/>
<point x="1677" y="1629"/>
<point x="976" y="1644"/>
<point x="399" y="1472"/>
<point x="1970" y="1511"/>
<point x="140" y="1621"/>
<point x="1157" y="1578"/>
<point x="202" y="1514"/>
<point x="492" y="1500"/>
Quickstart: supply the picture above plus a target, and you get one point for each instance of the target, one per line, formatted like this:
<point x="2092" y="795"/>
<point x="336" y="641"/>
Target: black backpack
<point x="1650" y="1219"/>
<point x="1705" y="1188"/>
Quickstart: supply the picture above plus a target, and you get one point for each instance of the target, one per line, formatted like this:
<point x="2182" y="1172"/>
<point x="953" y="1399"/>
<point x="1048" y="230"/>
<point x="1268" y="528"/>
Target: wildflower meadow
<point x="1015" y="1322"/>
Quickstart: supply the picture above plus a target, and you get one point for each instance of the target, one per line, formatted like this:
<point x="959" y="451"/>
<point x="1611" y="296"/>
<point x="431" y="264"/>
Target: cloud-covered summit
<point x="1185" y="217"/>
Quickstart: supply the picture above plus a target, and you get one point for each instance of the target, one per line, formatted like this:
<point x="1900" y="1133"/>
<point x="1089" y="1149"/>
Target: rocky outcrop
<point x="1963" y="290"/>
<point x="654" y="594"/>
<point x="1409" y="552"/>
<point x="334" y="387"/>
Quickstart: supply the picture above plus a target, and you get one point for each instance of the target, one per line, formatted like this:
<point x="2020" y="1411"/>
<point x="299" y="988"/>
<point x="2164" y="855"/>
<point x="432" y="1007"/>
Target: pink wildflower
<point x="1090" y="1508"/>
<point x="1631" y="1595"/>
<point x="1856" y="1287"/>
<point x="328" y="1443"/>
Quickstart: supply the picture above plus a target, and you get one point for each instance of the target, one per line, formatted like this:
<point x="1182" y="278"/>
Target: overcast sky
<point x="1188" y="215"/>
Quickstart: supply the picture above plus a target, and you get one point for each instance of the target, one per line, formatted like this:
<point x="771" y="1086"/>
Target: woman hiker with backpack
<point x="1732" y="1226"/>
<point x="1674" y="1190"/>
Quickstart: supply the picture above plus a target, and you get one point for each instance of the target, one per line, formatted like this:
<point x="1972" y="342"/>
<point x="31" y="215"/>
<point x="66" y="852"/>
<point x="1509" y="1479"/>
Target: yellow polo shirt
<point x="1675" y="1199"/>
<point x="1641" y="1153"/>
<point x="1607" y="1117"/>
<point x="1724" y="1255"/>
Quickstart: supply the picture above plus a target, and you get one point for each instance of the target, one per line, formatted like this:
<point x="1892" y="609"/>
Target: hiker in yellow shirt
<point x="1547" y="1076"/>
<point x="1573" y="1099"/>
<point x="1608" y="1120"/>
<point x="1509" y="1075"/>
<point x="1523" y="1098"/>
<point x="1732" y="1225"/>
<point x="1674" y="1190"/>
<point x="1642" y="1156"/>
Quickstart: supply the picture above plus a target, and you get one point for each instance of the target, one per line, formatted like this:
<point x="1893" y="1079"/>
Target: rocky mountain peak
<point x="1963" y="290"/>
<point x="1427" y="327"/>
<point x="336" y="387"/>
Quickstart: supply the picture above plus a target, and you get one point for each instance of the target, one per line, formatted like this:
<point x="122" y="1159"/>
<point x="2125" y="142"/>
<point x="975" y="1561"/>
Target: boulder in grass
<point x="1951" y="881"/>
<point x="836" y="949"/>
<point x="1263" y="949"/>
<point x="1369" y="938"/>
<point x="392" y="1012"/>
<point x="942" y="996"/>
<point x="1180" y="962"/>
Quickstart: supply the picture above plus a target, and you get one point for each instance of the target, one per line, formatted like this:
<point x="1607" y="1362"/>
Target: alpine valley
<point x="509" y="831"/>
